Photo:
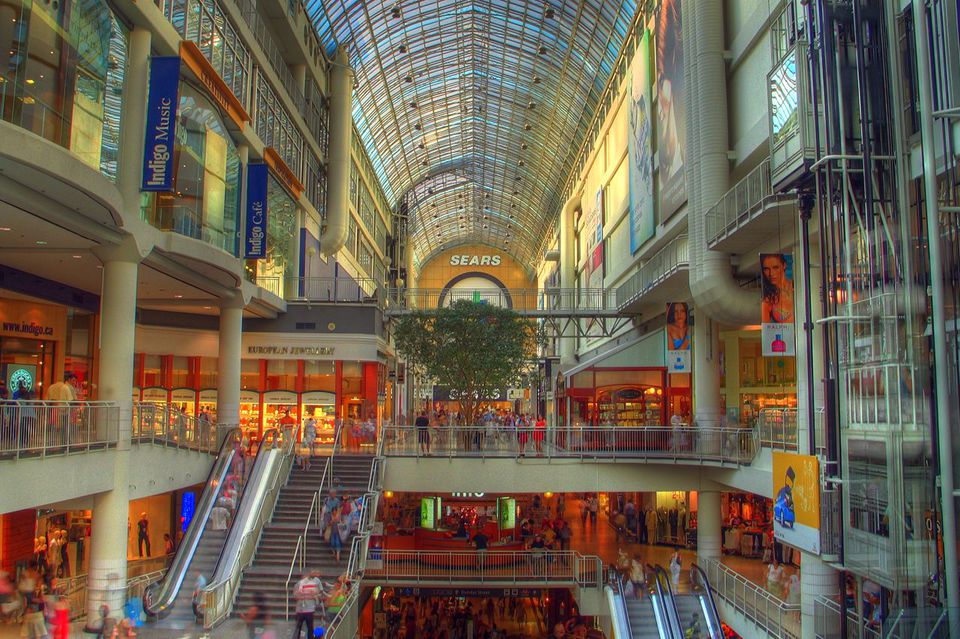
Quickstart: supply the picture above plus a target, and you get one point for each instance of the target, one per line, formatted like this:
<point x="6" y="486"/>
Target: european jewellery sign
<point x="255" y="234"/>
<point x="162" y="102"/>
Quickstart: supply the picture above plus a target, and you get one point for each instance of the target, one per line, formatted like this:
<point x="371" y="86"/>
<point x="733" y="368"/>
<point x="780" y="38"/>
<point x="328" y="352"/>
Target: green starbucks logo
<point x="21" y="378"/>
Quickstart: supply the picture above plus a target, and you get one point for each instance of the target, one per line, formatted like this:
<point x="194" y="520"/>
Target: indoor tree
<point x="474" y="348"/>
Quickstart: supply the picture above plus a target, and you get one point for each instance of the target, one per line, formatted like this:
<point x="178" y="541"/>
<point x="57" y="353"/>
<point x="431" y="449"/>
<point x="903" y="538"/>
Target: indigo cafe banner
<point x="255" y="229"/>
<point x="678" y="337"/>
<point x="777" y="331"/>
<point x="162" y="102"/>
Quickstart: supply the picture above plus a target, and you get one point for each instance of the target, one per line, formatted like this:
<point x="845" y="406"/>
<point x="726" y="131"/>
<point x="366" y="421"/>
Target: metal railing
<point x="298" y="560"/>
<point x="778" y="428"/>
<point x="333" y="290"/>
<point x="826" y="621"/>
<point x="768" y="612"/>
<point x="218" y="596"/>
<point x="672" y="258"/>
<point x="344" y="623"/>
<point x="519" y="299"/>
<point x="493" y="566"/>
<point x="165" y="424"/>
<point x="700" y="585"/>
<point x="74" y="590"/>
<point x="742" y="202"/>
<point x="30" y="428"/>
<point x="723" y="445"/>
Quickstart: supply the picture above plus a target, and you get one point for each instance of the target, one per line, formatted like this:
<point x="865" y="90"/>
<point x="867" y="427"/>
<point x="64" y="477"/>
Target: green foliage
<point x="475" y="349"/>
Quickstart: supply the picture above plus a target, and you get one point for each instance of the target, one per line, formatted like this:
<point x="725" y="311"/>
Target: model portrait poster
<point x="777" y="331"/>
<point x="642" y="224"/>
<point x="671" y="108"/>
<point x="796" y="500"/>
<point x="678" y="337"/>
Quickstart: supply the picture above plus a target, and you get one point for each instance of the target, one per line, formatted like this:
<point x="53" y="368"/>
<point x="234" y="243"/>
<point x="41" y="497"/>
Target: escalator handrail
<point x="270" y="439"/>
<point x="167" y="590"/>
<point x="701" y="586"/>
<point x="665" y="591"/>
<point x="618" y="581"/>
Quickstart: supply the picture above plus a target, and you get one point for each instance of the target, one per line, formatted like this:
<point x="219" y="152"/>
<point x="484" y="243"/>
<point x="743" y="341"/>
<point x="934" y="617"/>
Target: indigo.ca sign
<point x="255" y="235"/>
<point x="162" y="101"/>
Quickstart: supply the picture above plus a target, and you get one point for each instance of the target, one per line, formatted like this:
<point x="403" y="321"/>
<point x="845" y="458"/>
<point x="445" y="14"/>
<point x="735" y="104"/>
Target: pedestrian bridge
<point x="575" y="460"/>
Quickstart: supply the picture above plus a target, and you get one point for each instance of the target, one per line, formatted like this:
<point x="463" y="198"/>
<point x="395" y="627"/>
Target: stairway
<point x="643" y="623"/>
<point x="687" y="607"/>
<point x="180" y="614"/>
<point x="268" y="573"/>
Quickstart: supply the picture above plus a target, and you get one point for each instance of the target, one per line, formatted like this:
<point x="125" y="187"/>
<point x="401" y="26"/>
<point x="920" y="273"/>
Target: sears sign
<point x="474" y="260"/>
<point x="162" y="101"/>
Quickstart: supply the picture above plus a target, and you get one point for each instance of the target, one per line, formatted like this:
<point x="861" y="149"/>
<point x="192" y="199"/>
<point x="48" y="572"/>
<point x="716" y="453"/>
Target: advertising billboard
<point x="642" y="224"/>
<point x="671" y="108"/>
<point x="796" y="500"/>
<point x="255" y="229"/>
<point x="777" y="331"/>
<point x="161" y="126"/>
<point x="678" y="337"/>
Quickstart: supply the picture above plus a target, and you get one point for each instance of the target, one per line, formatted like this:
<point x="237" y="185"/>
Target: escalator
<point x="230" y="485"/>
<point x="643" y="617"/>
<point x="693" y="614"/>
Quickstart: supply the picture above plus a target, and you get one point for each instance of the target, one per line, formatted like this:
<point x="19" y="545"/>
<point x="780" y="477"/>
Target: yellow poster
<point x="796" y="500"/>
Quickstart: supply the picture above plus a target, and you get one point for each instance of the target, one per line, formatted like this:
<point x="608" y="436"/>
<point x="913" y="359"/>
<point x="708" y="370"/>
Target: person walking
<point x="539" y="431"/>
<point x="310" y="439"/>
<point x="594" y="506"/>
<point x="306" y="594"/>
<point x="256" y="617"/>
<point x="423" y="433"/>
<point x="676" y="563"/>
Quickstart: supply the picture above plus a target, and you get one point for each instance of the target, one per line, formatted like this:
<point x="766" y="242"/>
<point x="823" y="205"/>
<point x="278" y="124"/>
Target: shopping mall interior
<point x="479" y="319"/>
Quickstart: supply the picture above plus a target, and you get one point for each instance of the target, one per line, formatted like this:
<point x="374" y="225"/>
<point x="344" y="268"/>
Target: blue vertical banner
<point x="255" y="230"/>
<point x="162" y="102"/>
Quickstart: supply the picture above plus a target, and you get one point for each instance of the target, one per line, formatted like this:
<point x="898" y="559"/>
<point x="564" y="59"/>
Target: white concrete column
<point x="568" y="269"/>
<point x="817" y="579"/>
<point x="709" y="532"/>
<point x="706" y="372"/>
<point x="134" y="117"/>
<point x="228" y="362"/>
<point x="107" y="577"/>
<point x="336" y="226"/>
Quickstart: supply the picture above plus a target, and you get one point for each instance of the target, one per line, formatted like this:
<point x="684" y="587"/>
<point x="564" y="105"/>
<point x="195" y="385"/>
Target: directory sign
<point x="162" y="101"/>
<point x="507" y="513"/>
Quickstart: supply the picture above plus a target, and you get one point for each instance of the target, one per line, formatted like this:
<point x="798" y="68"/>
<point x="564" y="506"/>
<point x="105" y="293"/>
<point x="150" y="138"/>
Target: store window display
<point x="205" y="200"/>
<point x="62" y="68"/>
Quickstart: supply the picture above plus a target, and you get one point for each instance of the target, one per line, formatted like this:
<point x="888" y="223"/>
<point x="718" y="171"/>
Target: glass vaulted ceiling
<point x="472" y="112"/>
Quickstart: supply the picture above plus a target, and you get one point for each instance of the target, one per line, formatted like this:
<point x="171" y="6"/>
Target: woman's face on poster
<point x="679" y="314"/>
<point x="773" y="270"/>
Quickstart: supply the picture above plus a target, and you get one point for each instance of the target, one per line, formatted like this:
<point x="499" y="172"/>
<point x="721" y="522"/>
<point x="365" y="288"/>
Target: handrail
<point x="744" y="199"/>
<point x="665" y="591"/>
<point x="778" y="428"/>
<point x="701" y="586"/>
<point x="654" y="271"/>
<point x="618" y="582"/>
<point x="163" y="423"/>
<point x="511" y="566"/>
<point x="300" y="551"/>
<point x="161" y="601"/>
<point x="765" y="610"/>
<point x="39" y="428"/>
<point x="218" y="596"/>
<point x="541" y="299"/>
<point x="722" y="444"/>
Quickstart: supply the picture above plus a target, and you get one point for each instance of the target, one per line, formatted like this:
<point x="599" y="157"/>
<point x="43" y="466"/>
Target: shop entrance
<point x="27" y="366"/>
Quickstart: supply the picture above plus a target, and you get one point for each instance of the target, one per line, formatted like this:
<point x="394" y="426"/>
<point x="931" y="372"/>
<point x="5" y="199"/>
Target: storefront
<point x="40" y="343"/>
<point x="250" y="414"/>
<point x="321" y="406"/>
<point x="751" y="382"/>
<point x="623" y="396"/>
